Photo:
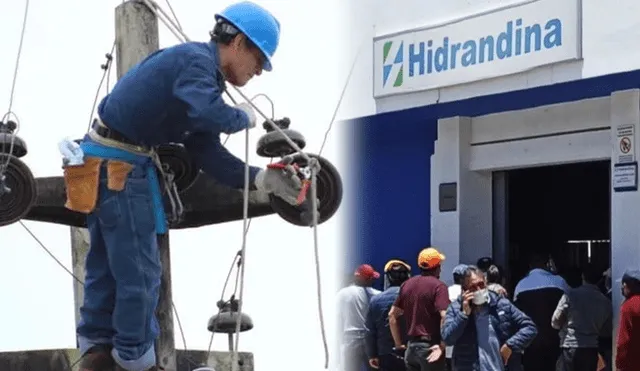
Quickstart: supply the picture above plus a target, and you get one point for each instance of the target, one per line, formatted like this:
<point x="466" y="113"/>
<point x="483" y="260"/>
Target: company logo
<point x="428" y="56"/>
<point x="393" y="66"/>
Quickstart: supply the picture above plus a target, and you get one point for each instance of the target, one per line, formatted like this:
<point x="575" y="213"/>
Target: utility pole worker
<point x="172" y="96"/>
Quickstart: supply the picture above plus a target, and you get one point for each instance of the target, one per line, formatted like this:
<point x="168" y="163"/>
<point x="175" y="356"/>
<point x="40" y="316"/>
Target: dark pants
<point x="415" y="358"/>
<point x="579" y="359"/>
<point x="391" y="362"/>
<point x="540" y="359"/>
<point x="515" y="362"/>
<point x="122" y="283"/>
<point x="354" y="355"/>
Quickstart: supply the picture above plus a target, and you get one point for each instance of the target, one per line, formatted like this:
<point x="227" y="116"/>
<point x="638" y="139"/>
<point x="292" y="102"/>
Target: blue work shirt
<point x="175" y="96"/>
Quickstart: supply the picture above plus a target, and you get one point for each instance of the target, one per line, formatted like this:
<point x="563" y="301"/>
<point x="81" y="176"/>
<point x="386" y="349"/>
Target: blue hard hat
<point x="257" y="24"/>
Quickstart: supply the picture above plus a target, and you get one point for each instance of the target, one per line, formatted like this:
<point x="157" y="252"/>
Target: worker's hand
<point x="282" y="180"/>
<point x="502" y="291"/>
<point x="601" y="363"/>
<point x="435" y="353"/>
<point x="505" y="352"/>
<point x="248" y="110"/>
<point x="374" y="363"/>
<point x="467" y="296"/>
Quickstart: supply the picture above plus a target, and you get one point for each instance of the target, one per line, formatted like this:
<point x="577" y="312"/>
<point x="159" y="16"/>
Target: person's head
<point x="493" y="274"/>
<point x="396" y="272"/>
<point x="475" y="281"/>
<point x="247" y="36"/>
<point x="484" y="263"/>
<point x="429" y="262"/>
<point x="631" y="283"/>
<point x="458" y="273"/>
<point x="538" y="260"/>
<point x="365" y="275"/>
<point x="591" y="274"/>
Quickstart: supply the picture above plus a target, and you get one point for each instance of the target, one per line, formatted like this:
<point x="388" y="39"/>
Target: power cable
<point x="6" y="117"/>
<point x="106" y="67"/>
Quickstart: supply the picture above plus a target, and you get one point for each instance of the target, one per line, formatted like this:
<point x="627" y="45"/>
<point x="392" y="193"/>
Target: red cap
<point x="367" y="272"/>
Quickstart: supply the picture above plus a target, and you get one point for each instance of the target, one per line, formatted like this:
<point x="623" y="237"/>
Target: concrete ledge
<point x="64" y="359"/>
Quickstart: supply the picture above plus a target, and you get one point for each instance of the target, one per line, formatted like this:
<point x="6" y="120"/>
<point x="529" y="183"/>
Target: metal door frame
<point x="500" y="221"/>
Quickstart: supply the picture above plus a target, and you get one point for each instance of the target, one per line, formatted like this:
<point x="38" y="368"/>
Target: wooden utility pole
<point x="137" y="36"/>
<point x="79" y="250"/>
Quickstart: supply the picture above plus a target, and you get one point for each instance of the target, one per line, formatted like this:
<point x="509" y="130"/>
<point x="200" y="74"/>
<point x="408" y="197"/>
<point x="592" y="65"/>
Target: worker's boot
<point x="98" y="358"/>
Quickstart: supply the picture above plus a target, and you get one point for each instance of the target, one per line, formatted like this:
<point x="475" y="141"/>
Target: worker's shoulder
<point x="190" y="50"/>
<point x="345" y="291"/>
<point x="379" y="298"/>
<point x="424" y="284"/>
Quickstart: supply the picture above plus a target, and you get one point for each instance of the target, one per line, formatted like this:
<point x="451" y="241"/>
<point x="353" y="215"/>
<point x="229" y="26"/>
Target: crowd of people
<point x="417" y="323"/>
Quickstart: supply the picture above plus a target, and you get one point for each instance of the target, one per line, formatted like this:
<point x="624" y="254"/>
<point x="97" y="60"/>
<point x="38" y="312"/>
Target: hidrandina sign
<point x="501" y="42"/>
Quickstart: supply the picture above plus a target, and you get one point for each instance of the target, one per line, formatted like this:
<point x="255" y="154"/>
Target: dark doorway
<point x="563" y="211"/>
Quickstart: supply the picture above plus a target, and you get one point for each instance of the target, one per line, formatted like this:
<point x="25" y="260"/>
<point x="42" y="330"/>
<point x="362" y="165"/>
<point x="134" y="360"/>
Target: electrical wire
<point x="44" y="247"/>
<point x="173" y="13"/>
<point x="344" y="90"/>
<point x="9" y="113"/>
<point x="106" y="67"/>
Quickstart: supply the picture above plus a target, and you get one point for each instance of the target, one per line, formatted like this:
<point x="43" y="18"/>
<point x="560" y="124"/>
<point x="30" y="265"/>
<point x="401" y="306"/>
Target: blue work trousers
<point x="123" y="273"/>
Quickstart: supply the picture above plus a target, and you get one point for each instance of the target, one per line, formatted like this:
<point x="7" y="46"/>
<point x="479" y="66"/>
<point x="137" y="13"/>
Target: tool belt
<point x="101" y="133"/>
<point x="82" y="181"/>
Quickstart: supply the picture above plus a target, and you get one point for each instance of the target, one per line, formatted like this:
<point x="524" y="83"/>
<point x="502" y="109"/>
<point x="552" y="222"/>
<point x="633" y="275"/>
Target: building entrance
<point x="563" y="211"/>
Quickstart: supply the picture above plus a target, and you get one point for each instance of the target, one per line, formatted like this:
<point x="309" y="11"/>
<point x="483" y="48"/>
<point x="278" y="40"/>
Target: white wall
<point x="625" y="234"/>
<point x="463" y="235"/>
<point x="610" y="33"/>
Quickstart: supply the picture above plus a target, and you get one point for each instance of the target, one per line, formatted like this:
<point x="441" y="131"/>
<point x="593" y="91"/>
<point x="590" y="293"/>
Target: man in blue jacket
<point x="378" y="338"/>
<point x="172" y="96"/>
<point x="484" y="328"/>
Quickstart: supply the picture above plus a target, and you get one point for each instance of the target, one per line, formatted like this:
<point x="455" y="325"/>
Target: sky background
<point x="64" y="46"/>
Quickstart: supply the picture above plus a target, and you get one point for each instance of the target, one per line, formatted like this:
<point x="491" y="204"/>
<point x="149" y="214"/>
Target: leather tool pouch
<point x="117" y="174"/>
<point x="81" y="184"/>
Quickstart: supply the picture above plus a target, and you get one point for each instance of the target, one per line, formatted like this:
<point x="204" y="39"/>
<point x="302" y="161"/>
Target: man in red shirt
<point x="627" y="356"/>
<point x="423" y="301"/>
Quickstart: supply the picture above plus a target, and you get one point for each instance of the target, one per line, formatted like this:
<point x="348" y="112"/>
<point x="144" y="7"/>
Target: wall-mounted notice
<point x="626" y="152"/>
